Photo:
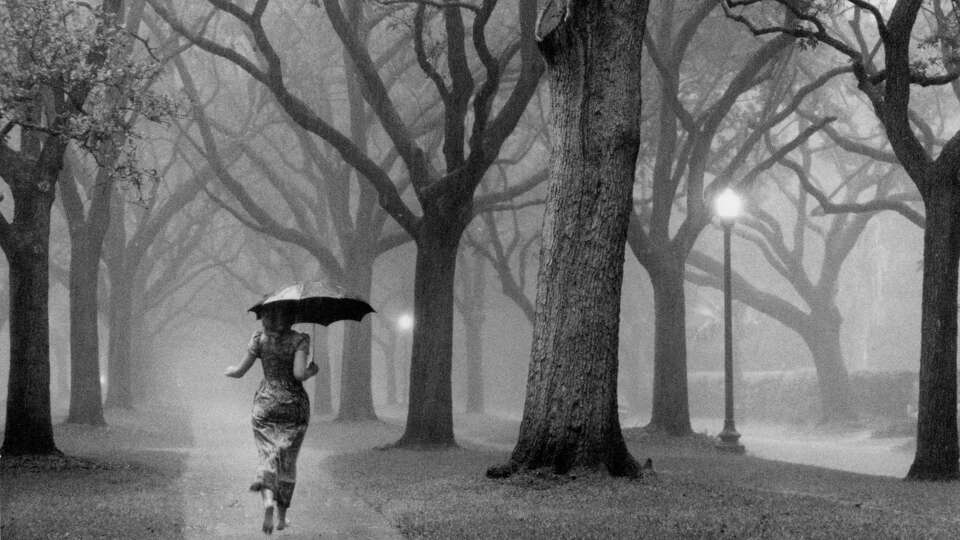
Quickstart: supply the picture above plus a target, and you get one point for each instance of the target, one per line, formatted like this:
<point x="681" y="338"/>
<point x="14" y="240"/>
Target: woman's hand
<point x="233" y="372"/>
<point x="239" y="370"/>
<point x="312" y="369"/>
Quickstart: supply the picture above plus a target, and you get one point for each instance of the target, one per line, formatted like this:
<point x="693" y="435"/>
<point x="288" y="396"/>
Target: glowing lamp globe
<point x="405" y="322"/>
<point x="728" y="205"/>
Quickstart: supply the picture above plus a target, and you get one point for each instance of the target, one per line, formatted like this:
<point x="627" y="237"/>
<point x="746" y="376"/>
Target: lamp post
<point x="727" y="206"/>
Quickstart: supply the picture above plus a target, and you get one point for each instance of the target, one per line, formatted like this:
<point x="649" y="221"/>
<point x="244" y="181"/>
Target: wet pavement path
<point x="220" y="467"/>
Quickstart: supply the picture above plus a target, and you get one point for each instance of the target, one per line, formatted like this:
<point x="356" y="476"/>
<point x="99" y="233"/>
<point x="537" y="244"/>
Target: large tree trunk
<point x="471" y="314"/>
<point x="59" y="373"/>
<point x="429" y="409"/>
<point x="322" y="395"/>
<point x="473" y="343"/>
<point x="390" y="366"/>
<point x="937" y="446"/>
<point x="671" y="409"/>
<point x="86" y="406"/>
<point x="119" y="309"/>
<point x="356" y="398"/>
<point x="29" y="428"/>
<point x="570" y="417"/>
<point x="120" y="389"/>
<point x="356" y="394"/>
<point x="823" y="339"/>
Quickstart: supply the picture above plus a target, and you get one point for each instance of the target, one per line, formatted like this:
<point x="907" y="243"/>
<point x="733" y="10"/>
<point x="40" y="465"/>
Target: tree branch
<point x="304" y="116"/>
<point x="828" y="207"/>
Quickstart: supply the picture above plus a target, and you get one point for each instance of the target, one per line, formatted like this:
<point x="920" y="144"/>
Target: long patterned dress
<point x="281" y="412"/>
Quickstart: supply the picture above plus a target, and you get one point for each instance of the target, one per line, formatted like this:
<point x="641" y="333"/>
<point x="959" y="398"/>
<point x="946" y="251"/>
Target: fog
<point x="181" y="367"/>
<point x="247" y="200"/>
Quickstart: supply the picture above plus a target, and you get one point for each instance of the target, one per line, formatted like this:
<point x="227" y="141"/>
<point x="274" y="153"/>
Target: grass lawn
<point x="118" y="483"/>
<point x="107" y="486"/>
<point x="695" y="492"/>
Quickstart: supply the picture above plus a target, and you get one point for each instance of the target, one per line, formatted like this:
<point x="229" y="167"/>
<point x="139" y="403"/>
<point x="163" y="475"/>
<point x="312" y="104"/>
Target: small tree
<point x="889" y="90"/>
<point x="59" y="60"/>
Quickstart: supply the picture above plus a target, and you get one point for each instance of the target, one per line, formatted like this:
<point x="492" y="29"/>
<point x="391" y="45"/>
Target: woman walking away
<point x="281" y="409"/>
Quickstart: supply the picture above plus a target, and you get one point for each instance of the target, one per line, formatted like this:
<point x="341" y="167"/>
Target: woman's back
<point x="276" y="352"/>
<point x="281" y="397"/>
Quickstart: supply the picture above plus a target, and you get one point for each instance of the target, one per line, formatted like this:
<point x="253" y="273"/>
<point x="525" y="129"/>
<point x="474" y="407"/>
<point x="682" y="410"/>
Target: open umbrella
<point x="316" y="302"/>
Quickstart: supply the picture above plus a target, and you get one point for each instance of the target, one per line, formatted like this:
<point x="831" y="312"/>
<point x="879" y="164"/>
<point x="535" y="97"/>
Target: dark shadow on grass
<point x="515" y="472"/>
<point x="418" y="446"/>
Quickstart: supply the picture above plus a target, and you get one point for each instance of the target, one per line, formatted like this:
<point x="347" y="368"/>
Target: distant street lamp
<point x="405" y="322"/>
<point x="728" y="206"/>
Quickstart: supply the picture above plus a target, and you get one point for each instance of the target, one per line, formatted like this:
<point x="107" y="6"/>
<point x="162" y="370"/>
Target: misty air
<point x="455" y="269"/>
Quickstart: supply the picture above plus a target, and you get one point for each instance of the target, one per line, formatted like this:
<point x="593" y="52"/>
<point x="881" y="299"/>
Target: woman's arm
<point x="240" y="370"/>
<point x="303" y="370"/>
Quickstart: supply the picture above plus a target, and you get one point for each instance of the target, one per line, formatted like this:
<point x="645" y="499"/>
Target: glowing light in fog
<point x="405" y="322"/>
<point x="727" y="205"/>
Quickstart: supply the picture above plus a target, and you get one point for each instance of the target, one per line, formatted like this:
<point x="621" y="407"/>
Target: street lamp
<point x="728" y="206"/>
<point x="405" y="322"/>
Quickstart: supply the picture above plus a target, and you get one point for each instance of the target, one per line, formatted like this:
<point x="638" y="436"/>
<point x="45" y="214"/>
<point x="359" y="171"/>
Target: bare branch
<point x="849" y="144"/>
<point x="829" y="207"/>
<point x="428" y="69"/>
<point x="875" y="12"/>
<point x="784" y="150"/>
<point x="488" y="199"/>
<point x="507" y="207"/>
<point x="439" y="4"/>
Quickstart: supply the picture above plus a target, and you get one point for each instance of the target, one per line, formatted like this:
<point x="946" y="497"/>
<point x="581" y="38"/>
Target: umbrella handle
<point x="313" y="344"/>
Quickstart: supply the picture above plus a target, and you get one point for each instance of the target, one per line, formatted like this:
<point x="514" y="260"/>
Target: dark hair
<point x="280" y="312"/>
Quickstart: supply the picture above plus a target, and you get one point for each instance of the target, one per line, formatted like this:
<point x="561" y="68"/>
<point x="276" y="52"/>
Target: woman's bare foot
<point x="281" y="518"/>
<point x="268" y="519"/>
<point x="268" y="506"/>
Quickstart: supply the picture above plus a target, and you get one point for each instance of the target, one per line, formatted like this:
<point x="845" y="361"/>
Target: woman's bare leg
<point x="281" y="517"/>
<point x="268" y="506"/>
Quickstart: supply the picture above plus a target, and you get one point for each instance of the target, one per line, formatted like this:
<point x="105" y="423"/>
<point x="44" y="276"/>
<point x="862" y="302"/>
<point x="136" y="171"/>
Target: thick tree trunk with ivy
<point x="570" y="416"/>
<point x="26" y="243"/>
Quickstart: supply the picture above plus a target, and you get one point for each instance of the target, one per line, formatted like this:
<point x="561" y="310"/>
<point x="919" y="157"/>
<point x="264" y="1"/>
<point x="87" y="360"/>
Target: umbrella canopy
<point x="315" y="302"/>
